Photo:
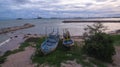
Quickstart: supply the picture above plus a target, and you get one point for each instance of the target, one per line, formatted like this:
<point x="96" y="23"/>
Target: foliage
<point x="2" y="59"/>
<point x="116" y="39"/>
<point x="60" y="55"/>
<point x="32" y="39"/>
<point x="99" y="44"/>
<point x="95" y="28"/>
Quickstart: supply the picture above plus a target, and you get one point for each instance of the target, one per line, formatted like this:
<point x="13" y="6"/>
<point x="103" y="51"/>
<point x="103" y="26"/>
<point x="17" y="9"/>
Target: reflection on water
<point x="112" y="26"/>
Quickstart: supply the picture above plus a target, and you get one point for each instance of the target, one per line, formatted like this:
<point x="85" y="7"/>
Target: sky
<point x="59" y="8"/>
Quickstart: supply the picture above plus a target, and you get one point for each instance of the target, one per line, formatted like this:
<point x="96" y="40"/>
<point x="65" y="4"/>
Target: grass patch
<point x="116" y="39"/>
<point x="21" y="48"/>
<point x="61" y="54"/>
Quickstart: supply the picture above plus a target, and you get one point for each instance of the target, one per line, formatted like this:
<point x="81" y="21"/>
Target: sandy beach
<point x="22" y="59"/>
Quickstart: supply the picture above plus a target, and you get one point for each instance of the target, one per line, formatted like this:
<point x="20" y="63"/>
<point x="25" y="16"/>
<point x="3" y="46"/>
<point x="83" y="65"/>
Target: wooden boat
<point x="67" y="41"/>
<point x="50" y="43"/>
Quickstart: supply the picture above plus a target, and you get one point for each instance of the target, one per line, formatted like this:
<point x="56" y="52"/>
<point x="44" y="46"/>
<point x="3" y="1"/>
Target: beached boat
<point x="67" y="41"/>
<point x="50" y="43"/>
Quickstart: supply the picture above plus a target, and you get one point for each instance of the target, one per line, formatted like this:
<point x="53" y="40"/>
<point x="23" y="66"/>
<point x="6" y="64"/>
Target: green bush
<point x="2" y="59"/>
<point x="99" y="45"/>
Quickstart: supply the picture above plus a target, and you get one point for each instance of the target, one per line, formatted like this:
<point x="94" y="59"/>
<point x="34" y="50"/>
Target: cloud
<point x="101" y="0"/>
<point x="73" y="8"/>
<point x="21" y="1"/>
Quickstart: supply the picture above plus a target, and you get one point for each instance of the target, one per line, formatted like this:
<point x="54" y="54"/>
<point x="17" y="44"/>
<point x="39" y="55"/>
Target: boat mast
<point x="46" y="32"/>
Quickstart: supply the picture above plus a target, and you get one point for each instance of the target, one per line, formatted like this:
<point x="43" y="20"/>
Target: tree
<point x="98" y="44"/>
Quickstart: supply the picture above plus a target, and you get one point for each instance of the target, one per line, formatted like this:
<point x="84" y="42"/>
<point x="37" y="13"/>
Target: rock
<point x="10" y="29"/>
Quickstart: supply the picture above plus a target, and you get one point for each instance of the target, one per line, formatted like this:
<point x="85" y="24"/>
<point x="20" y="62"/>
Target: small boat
<point x="67" y="41"/>
<point x="50" y="43"/>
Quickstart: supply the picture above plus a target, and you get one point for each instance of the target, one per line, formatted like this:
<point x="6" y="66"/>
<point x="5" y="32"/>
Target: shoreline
<point x="91" y="21"/>
<point x="6" y="41"/>
<point x="15" y="42"/>
<point x="29" y="51"/>
<point x="16" y="39"/>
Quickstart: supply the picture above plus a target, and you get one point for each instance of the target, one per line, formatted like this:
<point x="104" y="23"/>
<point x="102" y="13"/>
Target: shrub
<point x="99" y="45"/>
<point x="2" y="59"/>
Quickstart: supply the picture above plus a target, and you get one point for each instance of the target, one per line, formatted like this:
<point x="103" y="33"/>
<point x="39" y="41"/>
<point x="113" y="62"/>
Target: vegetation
<point x="116" y="39"/>
<point x="98" y="44"/>
<point x="62" y="54"/>
<point x="7" y="53"/>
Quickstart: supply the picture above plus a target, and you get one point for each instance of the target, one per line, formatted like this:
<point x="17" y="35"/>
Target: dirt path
<point x="21" y="59"/>
<point x="116" y="58"/>
<point x="71" y="64"/>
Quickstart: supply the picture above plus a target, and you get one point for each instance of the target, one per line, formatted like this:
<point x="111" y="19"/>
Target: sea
<point x="45" y="26"/>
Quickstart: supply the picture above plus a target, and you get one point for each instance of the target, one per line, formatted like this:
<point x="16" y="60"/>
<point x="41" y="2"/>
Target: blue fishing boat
<point x="50" y="43"/>
<point x="67" y="41"/>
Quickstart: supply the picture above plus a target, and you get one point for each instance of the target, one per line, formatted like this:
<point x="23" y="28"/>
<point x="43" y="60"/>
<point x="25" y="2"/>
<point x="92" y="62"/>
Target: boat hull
<point x="68" y="43"/>
<point x="49" y="45"/>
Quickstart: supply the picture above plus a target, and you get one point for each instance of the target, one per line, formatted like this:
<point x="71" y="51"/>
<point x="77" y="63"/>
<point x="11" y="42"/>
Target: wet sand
<point x="15" y="42"/>
<point x="12" y="44"/>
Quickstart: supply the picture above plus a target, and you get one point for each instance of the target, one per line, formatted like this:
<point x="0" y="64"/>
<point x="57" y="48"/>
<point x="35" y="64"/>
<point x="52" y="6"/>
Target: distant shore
<point x="91" y="21"/>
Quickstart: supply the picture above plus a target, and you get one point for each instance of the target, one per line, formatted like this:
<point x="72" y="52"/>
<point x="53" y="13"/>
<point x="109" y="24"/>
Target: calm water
<point x="43" y="25"/>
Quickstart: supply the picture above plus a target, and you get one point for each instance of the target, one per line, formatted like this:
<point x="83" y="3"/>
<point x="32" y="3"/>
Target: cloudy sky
<point x="58" y="8"/>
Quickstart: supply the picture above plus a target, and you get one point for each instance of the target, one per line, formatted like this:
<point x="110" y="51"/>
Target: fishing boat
<point x="67" y="41"/>
<point x="50" y="43"/>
